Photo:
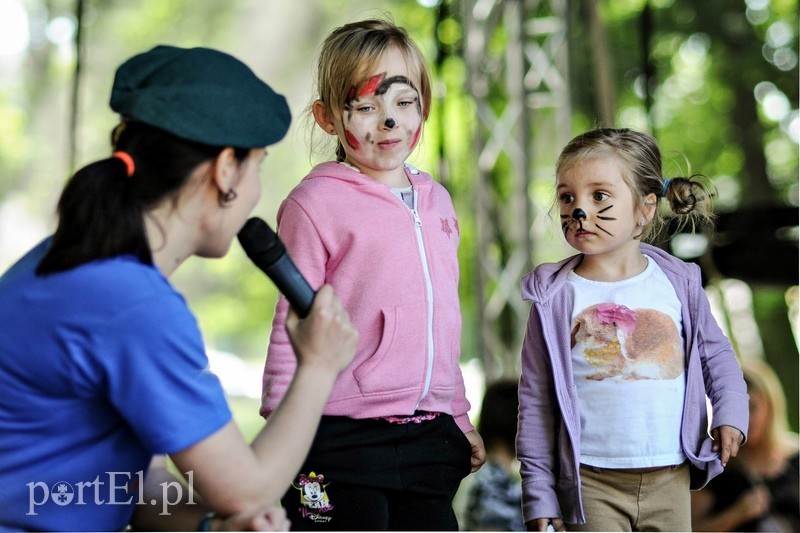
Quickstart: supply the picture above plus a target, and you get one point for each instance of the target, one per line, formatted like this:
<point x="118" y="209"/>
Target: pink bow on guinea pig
<point x="624" y="318"/>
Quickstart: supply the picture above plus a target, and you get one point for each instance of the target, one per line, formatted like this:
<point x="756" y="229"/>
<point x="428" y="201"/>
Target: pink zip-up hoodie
<point x="396" y="271"/>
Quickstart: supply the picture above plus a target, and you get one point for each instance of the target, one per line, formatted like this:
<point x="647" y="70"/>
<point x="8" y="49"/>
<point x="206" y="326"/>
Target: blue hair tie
<point x="665" y="187"/>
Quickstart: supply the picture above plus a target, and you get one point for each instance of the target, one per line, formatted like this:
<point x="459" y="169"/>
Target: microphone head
<point x="260" y="242"/>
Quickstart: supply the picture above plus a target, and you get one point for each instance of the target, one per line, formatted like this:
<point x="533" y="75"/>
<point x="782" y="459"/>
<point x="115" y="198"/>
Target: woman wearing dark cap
<point x="103" y="370"/>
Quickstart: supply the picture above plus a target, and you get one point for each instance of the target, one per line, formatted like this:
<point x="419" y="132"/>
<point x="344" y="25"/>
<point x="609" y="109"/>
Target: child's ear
<point x="323" y="117"/>
<point x="649" y="207"/>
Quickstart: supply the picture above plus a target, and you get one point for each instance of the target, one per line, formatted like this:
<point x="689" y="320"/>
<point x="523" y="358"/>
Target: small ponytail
<point x="690" y="201"/>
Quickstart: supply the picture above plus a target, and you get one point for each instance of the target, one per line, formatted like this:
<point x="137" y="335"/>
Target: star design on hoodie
<point x="446" y="227"/>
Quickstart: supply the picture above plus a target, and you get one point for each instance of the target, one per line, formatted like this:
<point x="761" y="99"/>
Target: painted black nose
<point x="390" y="123"/>
<point x="579" y="214"/>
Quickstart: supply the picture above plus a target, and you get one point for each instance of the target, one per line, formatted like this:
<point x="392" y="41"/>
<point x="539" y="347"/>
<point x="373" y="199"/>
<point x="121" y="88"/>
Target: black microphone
<point x="264" y="248"/>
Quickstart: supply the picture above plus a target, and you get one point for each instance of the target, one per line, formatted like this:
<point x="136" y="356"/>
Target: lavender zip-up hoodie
<point x="548" y="441"/>
<point x="396" y="271"/>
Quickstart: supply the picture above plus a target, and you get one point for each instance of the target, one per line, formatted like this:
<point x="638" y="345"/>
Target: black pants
<point x="377" y="476"/>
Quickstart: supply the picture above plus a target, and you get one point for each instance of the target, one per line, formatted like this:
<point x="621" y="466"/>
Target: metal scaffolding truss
<point x="516" y="57"/>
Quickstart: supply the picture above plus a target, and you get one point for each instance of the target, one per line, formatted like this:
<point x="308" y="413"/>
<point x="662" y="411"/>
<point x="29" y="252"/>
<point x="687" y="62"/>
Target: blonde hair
<point x="349" y="54"/>
<point x="761" y="379"/>
<point x="689" y="200"/>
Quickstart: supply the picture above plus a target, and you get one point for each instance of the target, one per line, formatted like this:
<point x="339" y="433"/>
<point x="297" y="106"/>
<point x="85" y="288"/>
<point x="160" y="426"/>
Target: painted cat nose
<point x="390" y="123"/>
<point x="579" y="214"/>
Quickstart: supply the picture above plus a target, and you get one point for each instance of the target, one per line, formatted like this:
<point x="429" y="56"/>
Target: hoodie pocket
<point x="398" y="361"/>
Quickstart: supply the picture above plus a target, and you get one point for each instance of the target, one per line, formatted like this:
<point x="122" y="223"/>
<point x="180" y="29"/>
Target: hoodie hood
<point x="539" y="286"/>
<point x="346" y="173"/>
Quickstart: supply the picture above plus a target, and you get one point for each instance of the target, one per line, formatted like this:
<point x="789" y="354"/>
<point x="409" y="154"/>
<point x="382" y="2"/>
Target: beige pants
<point x="627" y="500"/>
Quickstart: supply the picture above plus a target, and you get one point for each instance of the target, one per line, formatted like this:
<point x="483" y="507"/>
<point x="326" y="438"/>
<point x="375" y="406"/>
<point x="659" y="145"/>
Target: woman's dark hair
<point x="101" y="209"/>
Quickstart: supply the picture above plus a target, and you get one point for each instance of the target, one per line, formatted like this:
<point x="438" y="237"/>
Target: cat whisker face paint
<point x="604" y="218"/>
<point x="597" y="208"/>
<point x="578" y="216"/>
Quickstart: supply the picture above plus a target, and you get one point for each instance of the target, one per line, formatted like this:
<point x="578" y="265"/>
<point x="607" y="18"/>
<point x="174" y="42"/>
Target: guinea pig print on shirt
<point x="634" y="344"/>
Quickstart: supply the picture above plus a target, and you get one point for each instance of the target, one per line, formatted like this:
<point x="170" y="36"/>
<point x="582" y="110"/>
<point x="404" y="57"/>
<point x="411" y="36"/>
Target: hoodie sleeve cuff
<point x="463" y="423"/>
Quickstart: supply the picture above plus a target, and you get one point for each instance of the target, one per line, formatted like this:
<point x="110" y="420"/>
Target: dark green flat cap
<point x="202" y="95"/>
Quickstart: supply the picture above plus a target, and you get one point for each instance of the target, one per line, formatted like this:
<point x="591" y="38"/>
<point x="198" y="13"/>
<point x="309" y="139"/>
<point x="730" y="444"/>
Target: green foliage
<point x="233" y="301"/>
<point x="15" y="148"/>
<point x="769" y="305"/>
<point x="707" y="59"/>
<point x="245" y="414"/>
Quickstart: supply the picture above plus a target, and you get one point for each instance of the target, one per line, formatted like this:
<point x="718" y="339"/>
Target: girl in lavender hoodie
<point x="395" y="440"/>
<point x="620" y="353"/>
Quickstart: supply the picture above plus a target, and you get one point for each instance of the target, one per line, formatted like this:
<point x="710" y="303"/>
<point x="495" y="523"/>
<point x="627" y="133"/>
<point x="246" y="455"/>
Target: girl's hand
<point x="546" y="524"/>
<point x="726" y="442"/>
<point x="478" y="451"/>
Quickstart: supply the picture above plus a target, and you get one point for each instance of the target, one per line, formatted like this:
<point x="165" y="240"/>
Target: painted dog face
<point x="382" y="119"/>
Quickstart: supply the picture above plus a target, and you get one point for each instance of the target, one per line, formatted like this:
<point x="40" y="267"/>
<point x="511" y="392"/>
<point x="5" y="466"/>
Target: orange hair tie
<point x="126" y="158"/>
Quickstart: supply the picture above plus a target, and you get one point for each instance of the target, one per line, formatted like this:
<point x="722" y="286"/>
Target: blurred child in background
<point x="494" y="498"/>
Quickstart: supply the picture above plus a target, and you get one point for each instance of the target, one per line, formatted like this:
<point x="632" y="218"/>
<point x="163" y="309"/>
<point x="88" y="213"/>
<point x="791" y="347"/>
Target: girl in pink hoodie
<point x="396" y="439"/>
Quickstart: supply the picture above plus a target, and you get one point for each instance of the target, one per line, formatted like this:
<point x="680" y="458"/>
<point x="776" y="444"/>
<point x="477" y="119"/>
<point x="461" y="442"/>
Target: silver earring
<point x="227" y="197"/>
<point x="642" y="221"/>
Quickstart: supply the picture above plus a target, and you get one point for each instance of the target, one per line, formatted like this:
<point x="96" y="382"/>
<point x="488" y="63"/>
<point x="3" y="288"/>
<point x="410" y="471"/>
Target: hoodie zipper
<point x="429" y="297"/>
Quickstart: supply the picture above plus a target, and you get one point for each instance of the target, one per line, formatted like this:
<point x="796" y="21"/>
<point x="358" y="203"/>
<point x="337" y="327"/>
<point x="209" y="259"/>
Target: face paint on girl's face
<point x="598" y="212"/>
<point x="384" y="87"/>
<point x="379" y="90"/>
<point x="382" y="118"/>
<point x="579" y="215"/>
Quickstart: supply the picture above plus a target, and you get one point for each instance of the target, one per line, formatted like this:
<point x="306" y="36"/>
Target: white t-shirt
<point x="628" y="362"/>
<point x="406" y="194"/>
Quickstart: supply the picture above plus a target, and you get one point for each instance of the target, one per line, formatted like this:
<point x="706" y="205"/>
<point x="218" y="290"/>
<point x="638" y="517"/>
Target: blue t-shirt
<point x="101" y="367"/>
